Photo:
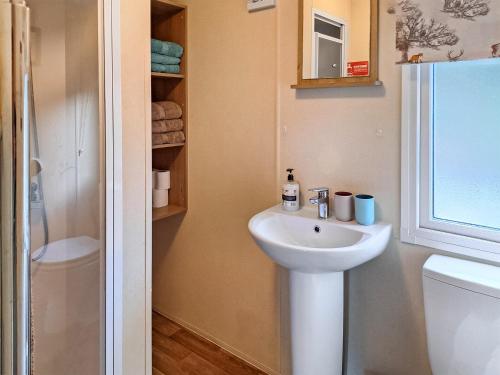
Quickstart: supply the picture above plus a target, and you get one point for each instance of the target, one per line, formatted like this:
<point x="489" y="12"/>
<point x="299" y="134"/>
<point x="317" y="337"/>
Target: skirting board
<point x="217" y="342"/>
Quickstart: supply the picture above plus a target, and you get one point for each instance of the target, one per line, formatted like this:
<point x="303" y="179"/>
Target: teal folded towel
<point x="161" y="68"/>
<point x="156" y="58"/>
<point x="166" y="48"/>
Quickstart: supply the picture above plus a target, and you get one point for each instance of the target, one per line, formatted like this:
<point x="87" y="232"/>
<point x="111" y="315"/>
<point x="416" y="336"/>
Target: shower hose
<point x="39" y="178"/>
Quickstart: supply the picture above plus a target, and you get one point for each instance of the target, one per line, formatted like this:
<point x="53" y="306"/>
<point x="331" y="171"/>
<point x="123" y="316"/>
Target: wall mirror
<point x="338" y="43"/>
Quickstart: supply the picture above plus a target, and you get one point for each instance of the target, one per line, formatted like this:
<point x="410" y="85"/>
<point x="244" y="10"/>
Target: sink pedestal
<point x="317" y="317"/>
<point x="317" y="253"/>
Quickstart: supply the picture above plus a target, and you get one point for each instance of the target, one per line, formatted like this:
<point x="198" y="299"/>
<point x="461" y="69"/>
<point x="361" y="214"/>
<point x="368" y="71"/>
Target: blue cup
<point x="364" y="206"/>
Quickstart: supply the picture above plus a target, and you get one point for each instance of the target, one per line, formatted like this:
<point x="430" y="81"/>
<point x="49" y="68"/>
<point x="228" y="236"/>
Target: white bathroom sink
<point x="317" y="252"/>
<point x="302" y="242"/>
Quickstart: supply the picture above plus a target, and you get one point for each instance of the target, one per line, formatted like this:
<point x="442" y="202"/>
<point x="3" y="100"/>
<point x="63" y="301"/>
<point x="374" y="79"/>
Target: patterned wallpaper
<point x="447" y="30"/>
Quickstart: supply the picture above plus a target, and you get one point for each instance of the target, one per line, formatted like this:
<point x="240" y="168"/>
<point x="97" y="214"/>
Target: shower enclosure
<point x="54" y="167"/>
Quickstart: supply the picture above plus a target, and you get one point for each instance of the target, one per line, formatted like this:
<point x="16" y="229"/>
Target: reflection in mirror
<point x="336" y="40"/>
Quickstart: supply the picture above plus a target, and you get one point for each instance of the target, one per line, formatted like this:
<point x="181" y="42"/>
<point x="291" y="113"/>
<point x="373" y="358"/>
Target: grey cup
<point x="343" y="205"/>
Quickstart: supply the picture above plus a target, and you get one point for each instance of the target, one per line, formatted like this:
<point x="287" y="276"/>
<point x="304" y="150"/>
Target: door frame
<point x="111" y="88"/>
<point x="336" y="21"/>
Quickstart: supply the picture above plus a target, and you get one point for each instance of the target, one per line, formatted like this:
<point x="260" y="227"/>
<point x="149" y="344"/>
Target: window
<point x="451" y="157"/>
<point x="328" y="28"/>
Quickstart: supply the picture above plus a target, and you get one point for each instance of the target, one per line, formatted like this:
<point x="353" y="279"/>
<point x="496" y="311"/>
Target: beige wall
<point x="359" y="42"/>
<point x="136" y="113"/>
<point x="331" y="137"/>
<point x="207" y="271"/>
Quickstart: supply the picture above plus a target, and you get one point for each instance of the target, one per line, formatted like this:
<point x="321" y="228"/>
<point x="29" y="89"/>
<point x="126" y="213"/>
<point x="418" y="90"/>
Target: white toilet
<point x="462" y="313"/>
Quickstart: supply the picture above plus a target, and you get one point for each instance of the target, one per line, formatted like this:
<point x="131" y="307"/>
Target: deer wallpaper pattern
<point x="447" y="30"/>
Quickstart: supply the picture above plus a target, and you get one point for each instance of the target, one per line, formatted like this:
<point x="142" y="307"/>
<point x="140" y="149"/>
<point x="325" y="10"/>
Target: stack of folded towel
<point x="165" y="56"/>
<point x="167" y="123"/>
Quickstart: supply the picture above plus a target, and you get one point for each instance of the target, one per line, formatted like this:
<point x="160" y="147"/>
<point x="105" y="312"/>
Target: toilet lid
<point x="473" y="276"/>
<point x="68" y="250"/>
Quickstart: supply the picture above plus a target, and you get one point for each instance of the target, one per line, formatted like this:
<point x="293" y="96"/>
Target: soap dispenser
<point x="290" y="193"/>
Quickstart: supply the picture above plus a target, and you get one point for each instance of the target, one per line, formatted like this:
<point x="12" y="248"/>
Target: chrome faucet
<point x="323" y="202"/>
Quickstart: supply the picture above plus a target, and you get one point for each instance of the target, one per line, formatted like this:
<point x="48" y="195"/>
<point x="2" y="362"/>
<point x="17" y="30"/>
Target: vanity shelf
<point x="333" y="83"/>
<point x="169" y="23"/>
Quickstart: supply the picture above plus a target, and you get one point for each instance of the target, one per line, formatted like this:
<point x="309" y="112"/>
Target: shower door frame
<point x="111" y="130"/>
<point x="110" y="86"/>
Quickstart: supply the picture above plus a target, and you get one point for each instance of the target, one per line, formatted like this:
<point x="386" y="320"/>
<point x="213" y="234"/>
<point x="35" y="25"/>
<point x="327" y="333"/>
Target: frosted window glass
<point x="466" y="142"/>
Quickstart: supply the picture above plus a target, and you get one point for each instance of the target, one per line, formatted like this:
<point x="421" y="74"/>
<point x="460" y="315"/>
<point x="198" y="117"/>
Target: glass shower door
<point x="52" y="188"/>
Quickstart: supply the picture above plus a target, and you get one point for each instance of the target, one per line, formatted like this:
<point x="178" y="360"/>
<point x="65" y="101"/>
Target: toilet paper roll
<point x="162" y="180"/>
<point x="160" y="198"/>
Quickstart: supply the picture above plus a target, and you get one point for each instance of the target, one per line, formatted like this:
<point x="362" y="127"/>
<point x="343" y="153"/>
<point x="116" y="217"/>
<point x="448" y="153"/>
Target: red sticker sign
<point x="358" y="68"/>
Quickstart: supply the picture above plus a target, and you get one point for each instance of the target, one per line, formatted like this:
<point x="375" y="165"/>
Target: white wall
<point x="82" y="51"/>
<point x="66" y="86"/>
<point x="136" y="125"/>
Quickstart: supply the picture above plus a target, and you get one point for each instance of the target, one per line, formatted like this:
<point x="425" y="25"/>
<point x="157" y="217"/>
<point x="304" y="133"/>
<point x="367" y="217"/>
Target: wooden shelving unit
<point x="169" y="23"/>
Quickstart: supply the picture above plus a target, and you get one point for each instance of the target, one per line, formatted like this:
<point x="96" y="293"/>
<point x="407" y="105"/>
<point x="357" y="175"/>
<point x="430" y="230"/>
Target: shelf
<point x="162" y="8"/>
<point x="337" y="82"/>
<point x="170" y="145"/>
<point x="167" y="75"/>
<point x="168" y="211"/>
<point x="169" y="22"/>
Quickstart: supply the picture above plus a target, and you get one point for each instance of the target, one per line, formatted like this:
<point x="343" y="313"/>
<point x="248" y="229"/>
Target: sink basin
<point x="299" y="241"/>
<point x="317" y="252"/>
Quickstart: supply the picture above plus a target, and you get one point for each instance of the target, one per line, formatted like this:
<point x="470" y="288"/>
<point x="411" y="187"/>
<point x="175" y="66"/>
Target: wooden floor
<point x="177" y="351"/>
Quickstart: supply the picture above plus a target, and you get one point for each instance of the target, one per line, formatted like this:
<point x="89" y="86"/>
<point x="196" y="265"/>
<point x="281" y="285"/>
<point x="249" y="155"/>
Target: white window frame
<point x="325" y="17"/>
<point x="417" y="224"/>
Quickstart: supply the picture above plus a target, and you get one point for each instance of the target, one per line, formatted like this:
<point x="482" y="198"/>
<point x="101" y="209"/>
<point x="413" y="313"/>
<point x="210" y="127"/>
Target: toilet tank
<point x="462" y="314"/>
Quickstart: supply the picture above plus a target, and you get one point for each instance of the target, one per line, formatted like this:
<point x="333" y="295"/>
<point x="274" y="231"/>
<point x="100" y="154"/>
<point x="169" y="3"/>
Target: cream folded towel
<point x="157" y="112"/>
<point x="163" y="126"/>
<point x="173" y="137"/>
<point x="168" y="138"/>
<point x="157" y="139"/>
<point x="172" y="110"/>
